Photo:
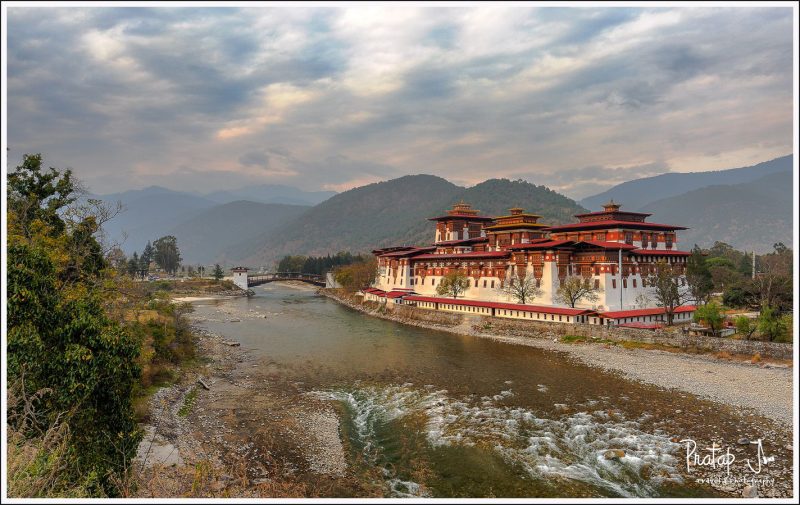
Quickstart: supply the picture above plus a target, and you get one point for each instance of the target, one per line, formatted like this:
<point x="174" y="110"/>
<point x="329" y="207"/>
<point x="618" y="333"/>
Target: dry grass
<point x="206" y="480"/>
<point x="37" y="461"/>
<point x="756" y="358"/>
<point x="723" y="355"/>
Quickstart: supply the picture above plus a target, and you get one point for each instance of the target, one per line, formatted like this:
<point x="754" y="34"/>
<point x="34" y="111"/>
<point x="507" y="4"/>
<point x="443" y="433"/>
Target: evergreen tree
<point x="133" y="265"/>
<point x="698" y="276"/>
<point x="166" y="254"/>
<point x="145" y="259"/>
<point x="218" y="273"/>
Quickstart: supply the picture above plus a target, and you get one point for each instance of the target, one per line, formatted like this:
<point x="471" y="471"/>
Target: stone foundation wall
<point x="666" y="337"/>
<point x="539" y="329"/>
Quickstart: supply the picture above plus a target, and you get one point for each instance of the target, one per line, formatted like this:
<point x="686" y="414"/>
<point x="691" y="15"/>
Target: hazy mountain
<point x="750" y="215"/>
<point x="208" y="236"/>
<point x="150" y="213"/>
<point x="396" y="212"/>
<point x="495" y="196"/>
<point x="634" y="195"/>
<point x="271" y="193"/>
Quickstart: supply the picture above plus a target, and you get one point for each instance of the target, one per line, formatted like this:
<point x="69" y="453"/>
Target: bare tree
<point x="453" y="284"/>
<point x="574" y="289"/>
<point x="521" y="290"/>
<point x="773" y="280"/>
<point x="668" y="288"/>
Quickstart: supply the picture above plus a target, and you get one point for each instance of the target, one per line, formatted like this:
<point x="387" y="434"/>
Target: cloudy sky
<point x="576" y="99"/>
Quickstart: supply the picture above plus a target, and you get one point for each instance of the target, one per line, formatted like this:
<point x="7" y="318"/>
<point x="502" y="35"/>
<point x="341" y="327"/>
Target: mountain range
<point x="638" y="193"/>
<point x="749" y="208"/>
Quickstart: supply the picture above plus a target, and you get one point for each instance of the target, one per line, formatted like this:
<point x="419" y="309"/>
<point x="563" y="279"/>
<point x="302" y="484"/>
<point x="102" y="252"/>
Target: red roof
<point x="608" y="245"/>
<point x="409" y="252"/>
<point x="661" y="252"/>
<point x="471" y="255"/>
<point x="645" y="312"/>
<point x="617" y="224"/>
<point x="549" y="244"/>
<point x="507" y="306"/>
<point x="466" y="217"/>
<point x="375" y="291"/>
<point x="600" y="212"/>
<point x="397" y="294"/>
<point x="464" y="241"/>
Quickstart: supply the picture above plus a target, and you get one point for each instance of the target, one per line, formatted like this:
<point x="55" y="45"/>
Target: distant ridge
<point x="396" y="212"/>
<point x="751" y="215"/>
<point x="637" y="193"/>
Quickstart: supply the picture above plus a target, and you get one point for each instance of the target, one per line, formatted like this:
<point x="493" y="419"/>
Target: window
<point x="484" y="283"/>
<point x="625" y="283"/>
<point x="628" y="237"/>
<point x="492" y="283"/>
<point x="597" y="284"/>
<point x="634" y="283"/>
<point x="614" y="283"/>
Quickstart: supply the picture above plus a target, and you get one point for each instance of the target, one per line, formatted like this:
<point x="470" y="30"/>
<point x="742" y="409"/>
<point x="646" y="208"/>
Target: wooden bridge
<point x="258" y="279"/>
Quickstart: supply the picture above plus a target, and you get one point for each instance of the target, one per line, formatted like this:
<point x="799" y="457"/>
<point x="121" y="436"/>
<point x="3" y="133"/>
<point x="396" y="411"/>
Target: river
<point x="444" y="415"/>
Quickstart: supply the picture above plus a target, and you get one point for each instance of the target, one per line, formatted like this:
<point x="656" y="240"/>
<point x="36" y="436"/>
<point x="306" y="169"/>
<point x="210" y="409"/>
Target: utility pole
<point x="754" y="265"/>
<point x="619" y="265"/>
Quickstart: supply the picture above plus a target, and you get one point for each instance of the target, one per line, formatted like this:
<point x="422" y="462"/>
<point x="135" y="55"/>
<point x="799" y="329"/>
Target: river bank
<point x="762" y="390"/>
<point x="239" y="428"/>
<point x="305" y="396"/>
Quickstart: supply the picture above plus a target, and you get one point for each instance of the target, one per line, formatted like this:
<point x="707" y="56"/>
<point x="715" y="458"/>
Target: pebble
<point x="749" y="492"/>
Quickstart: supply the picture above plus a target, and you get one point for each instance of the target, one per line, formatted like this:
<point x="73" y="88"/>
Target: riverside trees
<point x="574" y="289"/>
<point x="521" y="290"/>
<point x="62" y="346"/>
<point x="454" y="283"/>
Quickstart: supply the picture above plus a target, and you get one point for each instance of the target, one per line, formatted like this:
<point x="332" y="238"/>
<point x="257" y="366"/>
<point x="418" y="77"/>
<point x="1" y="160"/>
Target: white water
<point x="567" y="447"/>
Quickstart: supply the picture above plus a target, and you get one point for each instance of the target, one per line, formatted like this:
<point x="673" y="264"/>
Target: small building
<point x="496" y="309"/>
<point x="240" y="277"/>
<point x="656" y="315"/>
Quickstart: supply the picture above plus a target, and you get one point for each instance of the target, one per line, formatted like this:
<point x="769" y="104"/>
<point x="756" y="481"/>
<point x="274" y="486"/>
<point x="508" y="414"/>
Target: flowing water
<point x="445" y="415"/>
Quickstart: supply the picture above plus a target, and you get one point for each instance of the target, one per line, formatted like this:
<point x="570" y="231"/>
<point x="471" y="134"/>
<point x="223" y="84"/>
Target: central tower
<point x="462" y="222"/>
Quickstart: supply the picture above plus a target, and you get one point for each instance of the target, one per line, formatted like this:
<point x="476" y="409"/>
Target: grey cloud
<point x="254" y="159"/>
<point x="184" y="74"/>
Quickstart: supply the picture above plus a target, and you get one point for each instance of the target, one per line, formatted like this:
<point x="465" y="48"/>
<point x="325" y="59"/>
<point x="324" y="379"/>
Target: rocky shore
<point x="259" y="434"/>
<point x="760" y="388"/>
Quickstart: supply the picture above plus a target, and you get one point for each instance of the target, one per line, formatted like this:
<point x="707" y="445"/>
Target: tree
<point x="574" y="289"/>
<point x="38" y="196"/>
<point x="117" y="258"/>
<point x="771" y="325"/>
<point x="145" y="259"/>
<point x="60" y="339"/>
<point x="218" y="273"/>
<point x="667" y="289"/>
<point x="166" y="253"/>
<point x="711" y="315"/>
<point x="698" y="276"/>
<point x="453" y="284"/>
<point x="133" y="265"/>
<point x="356" y="276"/>
<point x="521" y="290"/>
<point x="745" y="326"/>
<point x="772" y="285"/>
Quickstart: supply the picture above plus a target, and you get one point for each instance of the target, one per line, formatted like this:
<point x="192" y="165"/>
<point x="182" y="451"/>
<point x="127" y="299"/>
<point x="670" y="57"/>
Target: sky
<point x="576" y="99"/>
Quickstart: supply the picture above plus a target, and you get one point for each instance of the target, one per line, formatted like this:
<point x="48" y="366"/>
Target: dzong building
<point x="615" y="249"/>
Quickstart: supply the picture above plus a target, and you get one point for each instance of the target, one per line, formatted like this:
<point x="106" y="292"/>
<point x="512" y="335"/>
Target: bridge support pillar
<point x="240" y="277"/>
